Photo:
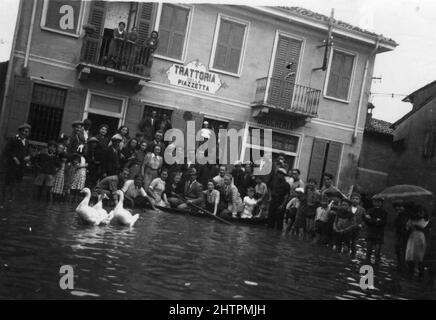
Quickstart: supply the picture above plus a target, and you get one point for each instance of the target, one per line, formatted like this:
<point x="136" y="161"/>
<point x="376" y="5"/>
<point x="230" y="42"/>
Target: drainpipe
<point x="9" y="72"/>
<point x="29" y="37"/>
<point x="158" y="14"/>
<point x="362" y="90"/>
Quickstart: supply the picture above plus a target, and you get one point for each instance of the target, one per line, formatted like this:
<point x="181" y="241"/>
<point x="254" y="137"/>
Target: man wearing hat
<point x="111" y="157"/>
<point x="279" y="196"/>
<point x="77" y="140"/>
<point x="16" y="153"/>
<point x="375" y="220"/>
<point x="193" y="191"/>
<point x="238" y="175"/>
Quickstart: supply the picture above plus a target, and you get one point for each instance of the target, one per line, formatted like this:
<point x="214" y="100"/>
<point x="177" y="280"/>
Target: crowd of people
<point x="136" y="167"/>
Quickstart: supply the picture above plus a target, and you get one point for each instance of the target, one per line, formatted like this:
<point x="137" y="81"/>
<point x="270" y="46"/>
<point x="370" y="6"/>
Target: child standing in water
<point x="59" y="179"/>
<point x="249" y="204"/>
<point x="344" y="225"/>
<point x="416" y="243"/>
<point x="78" y="176"/>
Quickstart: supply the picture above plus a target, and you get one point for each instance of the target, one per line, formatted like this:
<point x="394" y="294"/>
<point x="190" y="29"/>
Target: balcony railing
<point x="287" y="96"/>
<point x="122" y="55"/>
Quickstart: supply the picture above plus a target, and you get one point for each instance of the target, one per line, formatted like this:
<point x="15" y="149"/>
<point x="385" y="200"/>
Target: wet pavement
<point x="167" y="256"/>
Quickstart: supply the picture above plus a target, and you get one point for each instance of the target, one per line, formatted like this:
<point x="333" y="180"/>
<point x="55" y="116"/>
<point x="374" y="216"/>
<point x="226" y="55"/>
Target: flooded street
<point x="174" y="257"/>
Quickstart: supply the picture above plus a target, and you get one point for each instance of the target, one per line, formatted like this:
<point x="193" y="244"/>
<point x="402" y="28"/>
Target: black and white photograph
<point x="217" y="155"/>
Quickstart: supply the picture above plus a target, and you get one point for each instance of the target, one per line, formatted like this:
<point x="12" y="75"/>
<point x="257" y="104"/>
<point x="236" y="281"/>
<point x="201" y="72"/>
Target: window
<point x="173" y="31"/>
<point x="284" y="144"/>
<point x="216" y="125"/>
<point x="340" y="75"/>
<point x="46" y="111"/>
<point x="62" y="16"/>
<point x="325" y="158"/>
<point x="105" y="109"/>
<point x="228" y="45"/>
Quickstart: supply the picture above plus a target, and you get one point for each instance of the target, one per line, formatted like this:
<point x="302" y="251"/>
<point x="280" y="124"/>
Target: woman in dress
<point x="102" y="137"/>
<point x="123" y="131"/>
<point x="230" y="200"/>
<point x="136" y="162"/>
<point x="128" y="152"/>
<point x="416" y="244"/>
<point x="152" y="163"/>
<point x="156" y="190"/>
<point x="212" y="197"/>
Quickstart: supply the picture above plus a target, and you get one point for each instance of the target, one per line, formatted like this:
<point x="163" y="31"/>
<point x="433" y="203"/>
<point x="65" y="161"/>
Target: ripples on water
<point x="174" y="257"/>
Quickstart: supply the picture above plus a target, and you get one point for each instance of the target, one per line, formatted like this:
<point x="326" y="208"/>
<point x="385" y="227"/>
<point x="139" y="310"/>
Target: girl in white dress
<point x="249" y="204"/>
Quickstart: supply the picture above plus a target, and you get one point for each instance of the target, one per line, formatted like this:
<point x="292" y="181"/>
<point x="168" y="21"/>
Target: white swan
<point x="105" y="217"/>
<point x="122" y="215"/>
<point x="88" y="214"/>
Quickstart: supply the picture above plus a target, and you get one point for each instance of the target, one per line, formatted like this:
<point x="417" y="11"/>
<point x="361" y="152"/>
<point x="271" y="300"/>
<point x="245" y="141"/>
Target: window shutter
<point x="333" y="158"/>
<point x="172" y="31"/>
<point x="229" y="46"/>
<point x="91" y="47"/>
<point x="21" y="102"/>
<point x="97" y="16"/>
<point x="145" y="21"/>
<point x="282" y="88"/>
<point x="340" y="75"/>
<point x="317" y="160"/>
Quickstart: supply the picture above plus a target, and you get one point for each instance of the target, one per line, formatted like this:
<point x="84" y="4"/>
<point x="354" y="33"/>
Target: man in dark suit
<point x="111" y="159"/>
<point x="193" y="191"/>
<point x="164" y="124"/>
<point x="17" y="154"/>
<point x="149" y="125"/>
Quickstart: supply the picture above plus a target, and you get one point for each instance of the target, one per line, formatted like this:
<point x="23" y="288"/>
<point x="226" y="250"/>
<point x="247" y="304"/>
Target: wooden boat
<point x="198" y="213"/>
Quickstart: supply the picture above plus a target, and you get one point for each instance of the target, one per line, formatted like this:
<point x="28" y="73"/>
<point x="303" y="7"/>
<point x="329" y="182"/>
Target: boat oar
<point x="203" y="210"/>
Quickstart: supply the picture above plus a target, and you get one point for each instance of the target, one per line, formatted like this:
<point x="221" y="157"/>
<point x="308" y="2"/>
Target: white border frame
<point x="296" y="154"/>
<point x="215" y="41"/>
<point x="352" y="78"/>
<point x="273" y="58"/>
<point x="121" y="115"/>
<point x="187" y="35"/>
<point x="79" y="21"/>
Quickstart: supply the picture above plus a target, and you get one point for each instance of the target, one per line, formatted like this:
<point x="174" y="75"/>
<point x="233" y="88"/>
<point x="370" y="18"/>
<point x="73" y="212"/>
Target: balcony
<point x="115" y="59"/>
<point x="284" y="97"/>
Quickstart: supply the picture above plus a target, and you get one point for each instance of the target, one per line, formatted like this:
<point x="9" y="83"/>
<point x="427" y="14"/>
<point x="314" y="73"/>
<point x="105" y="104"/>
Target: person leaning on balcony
<point x="116" y="45"/>
<point x="77" y="140"/>
<point x="16" y="154"/>
<point x="150" y="46"/>
<point x="130" y="46"/>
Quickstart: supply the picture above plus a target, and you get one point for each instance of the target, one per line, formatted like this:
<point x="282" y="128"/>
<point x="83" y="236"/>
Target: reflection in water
<point x="174" y="257"/>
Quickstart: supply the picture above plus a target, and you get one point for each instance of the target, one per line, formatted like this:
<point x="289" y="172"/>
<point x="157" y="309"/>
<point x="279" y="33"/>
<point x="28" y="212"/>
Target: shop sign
<point x="195" y="76"/>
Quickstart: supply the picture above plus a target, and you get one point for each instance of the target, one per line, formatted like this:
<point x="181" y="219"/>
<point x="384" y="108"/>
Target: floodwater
<point x="168" y="256"/>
